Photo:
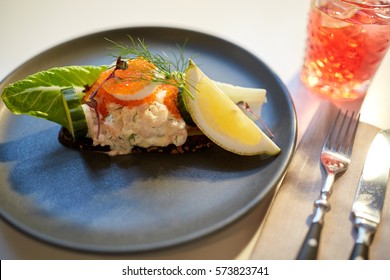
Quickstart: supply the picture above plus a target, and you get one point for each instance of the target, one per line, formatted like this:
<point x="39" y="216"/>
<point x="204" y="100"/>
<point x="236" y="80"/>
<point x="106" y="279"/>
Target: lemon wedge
<point x="221" y="120"/>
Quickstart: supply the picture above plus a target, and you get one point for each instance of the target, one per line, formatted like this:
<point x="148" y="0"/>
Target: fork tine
<point x="352" y="139"/>
<point x="344" y="145"/>
<point x="328" y="140"/>
<point x="342" y="133"/>
<point x="337" y="145"/>
<point x="349" y="137"/>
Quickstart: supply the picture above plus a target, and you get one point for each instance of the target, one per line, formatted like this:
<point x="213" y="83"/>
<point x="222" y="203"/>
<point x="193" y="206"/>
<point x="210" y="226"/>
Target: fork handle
<point x="310" y="245"/>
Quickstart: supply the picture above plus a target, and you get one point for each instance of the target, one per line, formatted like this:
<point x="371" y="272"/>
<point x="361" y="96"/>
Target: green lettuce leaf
<point x="39" y="95"/>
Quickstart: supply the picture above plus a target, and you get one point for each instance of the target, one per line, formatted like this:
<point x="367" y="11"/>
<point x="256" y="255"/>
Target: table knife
<point x="370" y="194"/>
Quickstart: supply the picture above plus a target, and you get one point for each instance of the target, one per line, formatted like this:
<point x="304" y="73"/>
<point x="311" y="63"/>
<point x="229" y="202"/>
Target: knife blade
<point x="370" y="194"/>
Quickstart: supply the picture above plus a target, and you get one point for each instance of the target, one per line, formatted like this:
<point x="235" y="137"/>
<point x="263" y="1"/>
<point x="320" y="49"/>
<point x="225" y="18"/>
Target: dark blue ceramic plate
<point x="94" y="202"/>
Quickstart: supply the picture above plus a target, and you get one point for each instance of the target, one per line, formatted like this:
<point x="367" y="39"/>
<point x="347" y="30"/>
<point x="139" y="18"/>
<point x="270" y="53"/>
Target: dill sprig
<point x="170" y="69"/>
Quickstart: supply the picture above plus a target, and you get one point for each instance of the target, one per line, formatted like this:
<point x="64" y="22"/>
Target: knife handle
<point x="365" y="233"/>
<point x="359" y="252"/>
<point x="310" y="245"/>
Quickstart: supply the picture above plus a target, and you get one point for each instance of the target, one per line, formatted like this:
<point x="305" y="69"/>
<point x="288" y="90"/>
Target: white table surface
<point x="275" y="31"/>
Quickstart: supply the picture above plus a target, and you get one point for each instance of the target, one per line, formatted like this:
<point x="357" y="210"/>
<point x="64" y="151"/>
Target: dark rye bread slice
<point x="194" y="143"/>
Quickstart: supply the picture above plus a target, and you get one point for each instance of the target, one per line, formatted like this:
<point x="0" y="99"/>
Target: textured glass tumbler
<point x="346" y="43"/>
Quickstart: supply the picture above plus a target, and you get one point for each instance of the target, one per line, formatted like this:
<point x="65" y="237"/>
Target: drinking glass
<point x="346" y="43"/>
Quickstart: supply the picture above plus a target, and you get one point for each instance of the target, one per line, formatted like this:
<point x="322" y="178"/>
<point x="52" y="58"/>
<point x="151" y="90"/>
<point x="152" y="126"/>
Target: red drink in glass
<point x="346" y="44"/>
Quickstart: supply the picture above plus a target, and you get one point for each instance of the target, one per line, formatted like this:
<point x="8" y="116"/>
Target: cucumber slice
<point x="183" y="110"/>
<point x="77" y="124"/>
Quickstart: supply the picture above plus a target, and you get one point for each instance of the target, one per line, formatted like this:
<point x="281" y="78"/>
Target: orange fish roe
<point x="170" y="99"/>
<point x="138" y="75"/>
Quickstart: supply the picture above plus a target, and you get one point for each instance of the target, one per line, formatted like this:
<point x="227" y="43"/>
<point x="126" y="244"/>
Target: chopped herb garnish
<point x="170" y="69"/>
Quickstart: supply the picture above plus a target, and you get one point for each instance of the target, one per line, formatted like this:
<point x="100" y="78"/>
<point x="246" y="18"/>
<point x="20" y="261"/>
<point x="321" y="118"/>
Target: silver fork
<point x="335" y="158"/>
